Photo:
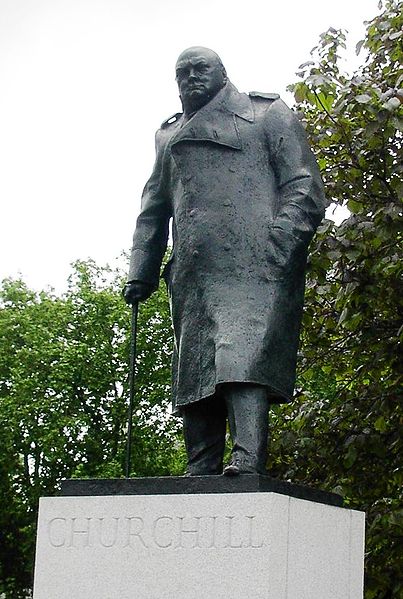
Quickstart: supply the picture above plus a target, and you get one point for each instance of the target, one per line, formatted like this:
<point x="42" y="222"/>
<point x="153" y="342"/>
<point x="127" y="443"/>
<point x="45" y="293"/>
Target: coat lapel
<point x="216" y="121"/>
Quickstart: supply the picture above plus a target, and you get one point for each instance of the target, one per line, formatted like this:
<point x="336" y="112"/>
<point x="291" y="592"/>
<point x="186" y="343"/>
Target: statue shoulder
<point x="271" y="105"/>
<point x="262" y="102"/>
<point x="174" y="118"/>
<point x="166" y="131"/>
<point x="262" y="96"/>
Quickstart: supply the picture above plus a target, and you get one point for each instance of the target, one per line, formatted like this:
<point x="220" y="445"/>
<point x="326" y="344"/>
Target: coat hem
<point x="274" y="395"/>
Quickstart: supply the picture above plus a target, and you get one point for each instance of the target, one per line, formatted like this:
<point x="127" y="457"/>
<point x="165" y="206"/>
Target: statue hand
<point x="136" y="291"/>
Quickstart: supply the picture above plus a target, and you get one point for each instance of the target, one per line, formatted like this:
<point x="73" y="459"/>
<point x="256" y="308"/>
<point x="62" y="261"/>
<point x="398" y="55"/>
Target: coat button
<point x="226" y="203"/>
<point x="192" y="212"/>
<point x="195" y="253"/>
<point x="227" y="246"/>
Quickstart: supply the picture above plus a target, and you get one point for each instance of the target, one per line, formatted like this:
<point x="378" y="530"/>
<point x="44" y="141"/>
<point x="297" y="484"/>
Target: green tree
<point x="63" y="400"/>
<point x="344" y="432"/>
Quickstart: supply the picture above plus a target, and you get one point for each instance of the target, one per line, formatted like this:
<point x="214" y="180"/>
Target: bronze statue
<point x="235" y="174"/>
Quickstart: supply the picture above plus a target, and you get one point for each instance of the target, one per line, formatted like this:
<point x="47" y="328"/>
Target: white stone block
<point x="197" y="546"/>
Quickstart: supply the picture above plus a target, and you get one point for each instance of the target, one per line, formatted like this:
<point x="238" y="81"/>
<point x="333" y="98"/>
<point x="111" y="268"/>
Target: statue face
<point x="200" y="76"/>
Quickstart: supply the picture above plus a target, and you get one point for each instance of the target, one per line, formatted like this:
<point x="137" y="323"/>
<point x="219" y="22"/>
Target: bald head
<point x="196" y="51"/>
<point x="200" y="75"/>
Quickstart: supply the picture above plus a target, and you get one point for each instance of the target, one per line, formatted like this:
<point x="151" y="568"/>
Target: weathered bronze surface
<point x="235" y="174"/>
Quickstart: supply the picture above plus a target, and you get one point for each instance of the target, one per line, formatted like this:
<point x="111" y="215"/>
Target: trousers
<point x="246" y="408"/>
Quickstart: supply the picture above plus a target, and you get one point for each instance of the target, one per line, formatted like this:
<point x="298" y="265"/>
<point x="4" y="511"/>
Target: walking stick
<point x="132" y="375"/>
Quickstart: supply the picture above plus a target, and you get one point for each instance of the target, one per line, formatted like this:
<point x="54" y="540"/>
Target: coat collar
<point x="216" y="121"/>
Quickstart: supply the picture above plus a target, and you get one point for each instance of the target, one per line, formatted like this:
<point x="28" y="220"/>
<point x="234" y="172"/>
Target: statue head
<point x="200" y="75"/>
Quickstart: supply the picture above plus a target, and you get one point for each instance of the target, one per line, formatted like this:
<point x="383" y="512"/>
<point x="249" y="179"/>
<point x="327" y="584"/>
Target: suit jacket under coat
<point x="244" y="192"/>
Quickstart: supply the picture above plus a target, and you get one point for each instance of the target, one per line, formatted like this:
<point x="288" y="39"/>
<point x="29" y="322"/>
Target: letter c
<point x="59" y="540"/>
<point x="156" y="523"/>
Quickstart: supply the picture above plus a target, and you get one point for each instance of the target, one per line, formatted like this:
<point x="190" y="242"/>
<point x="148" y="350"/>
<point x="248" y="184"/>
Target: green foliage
<point x="344" y="432"/>
<point x="63" y="399"/>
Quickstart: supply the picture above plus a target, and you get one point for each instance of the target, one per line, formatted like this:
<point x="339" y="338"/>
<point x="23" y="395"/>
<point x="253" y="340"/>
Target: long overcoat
<point x="245" y="196"/>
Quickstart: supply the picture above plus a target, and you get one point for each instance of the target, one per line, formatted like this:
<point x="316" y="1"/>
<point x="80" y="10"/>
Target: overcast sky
<point x="84" y="84"/>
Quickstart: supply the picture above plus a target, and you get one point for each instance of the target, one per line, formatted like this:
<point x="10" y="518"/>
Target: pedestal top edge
<point x="174" y="485"/>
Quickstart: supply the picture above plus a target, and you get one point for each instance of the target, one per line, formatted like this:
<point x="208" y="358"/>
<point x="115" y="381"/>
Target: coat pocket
<point x="286" y="254"/>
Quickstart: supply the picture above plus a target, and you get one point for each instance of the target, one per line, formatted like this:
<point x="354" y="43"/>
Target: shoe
<point x="238" y="466"/>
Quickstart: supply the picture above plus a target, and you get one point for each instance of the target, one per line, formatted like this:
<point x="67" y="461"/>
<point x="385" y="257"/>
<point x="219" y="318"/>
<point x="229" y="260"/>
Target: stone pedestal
<point x="202" y="538"/>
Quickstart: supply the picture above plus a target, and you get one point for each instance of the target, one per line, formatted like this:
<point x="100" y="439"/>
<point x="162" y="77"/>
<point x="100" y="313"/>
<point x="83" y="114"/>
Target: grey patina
<point x="244" y="193"/>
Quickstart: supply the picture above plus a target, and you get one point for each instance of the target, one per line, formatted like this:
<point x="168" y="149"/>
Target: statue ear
<point x="224" y="74"/>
